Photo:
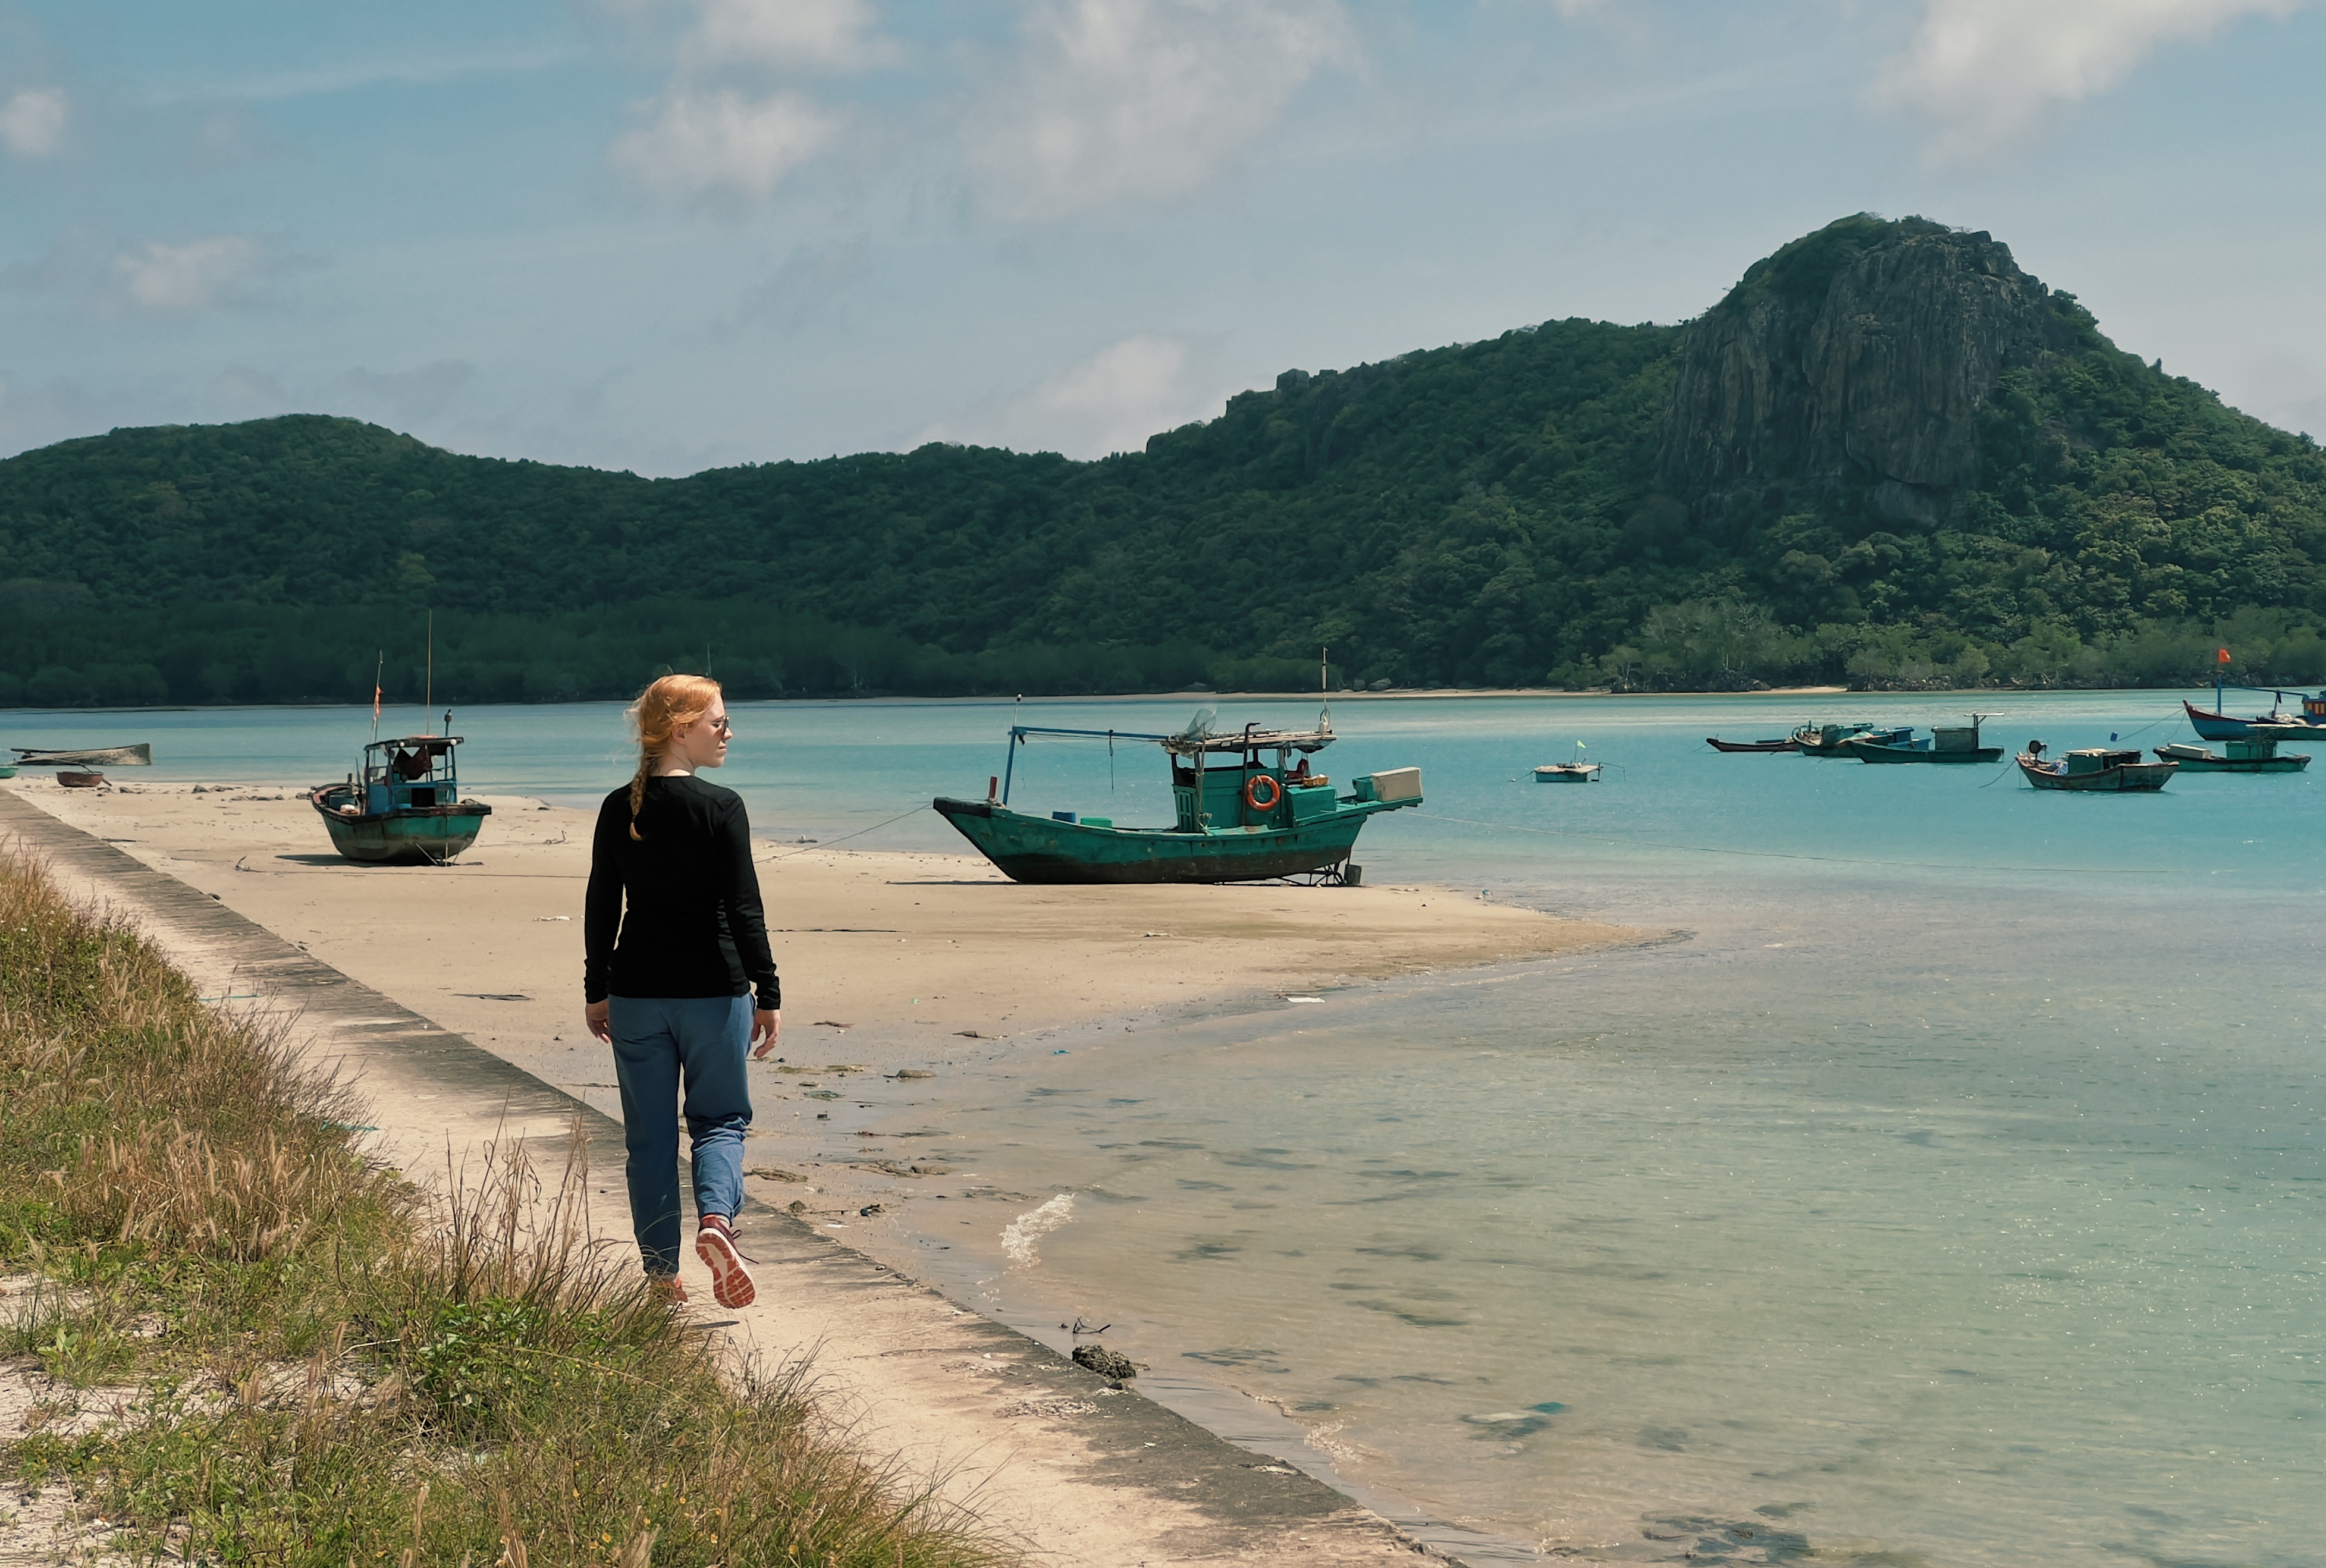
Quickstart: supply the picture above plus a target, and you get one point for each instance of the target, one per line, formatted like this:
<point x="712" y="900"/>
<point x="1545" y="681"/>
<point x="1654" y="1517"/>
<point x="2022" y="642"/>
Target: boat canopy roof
<point x="1195" y="743"/>
<point x="426" y="745"/>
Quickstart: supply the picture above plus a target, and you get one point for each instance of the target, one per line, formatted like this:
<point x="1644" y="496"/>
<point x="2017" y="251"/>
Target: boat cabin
<point x="1217" y="780"/>
<point x="2096" y="760"/>
<point x="415" y="772"/>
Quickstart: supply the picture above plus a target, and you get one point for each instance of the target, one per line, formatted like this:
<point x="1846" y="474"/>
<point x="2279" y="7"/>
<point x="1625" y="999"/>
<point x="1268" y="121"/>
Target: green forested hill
<point x="1501" y="512"/>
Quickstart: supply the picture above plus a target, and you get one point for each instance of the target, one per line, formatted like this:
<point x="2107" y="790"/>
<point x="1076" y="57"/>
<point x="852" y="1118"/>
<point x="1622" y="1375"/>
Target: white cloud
<point x="1991" y="71"/>
<point x="785" y="34"/>
<point x="702" y="141"/>
<point x="33" y="123"/>
<point x="716" y="128"/>
<point x="1114" y="99"/>
<point x="155" y="277"/>
<point x="1109" y="402"/>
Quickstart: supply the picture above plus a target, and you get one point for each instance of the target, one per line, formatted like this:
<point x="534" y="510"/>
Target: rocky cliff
<point x="1854" y="361"/>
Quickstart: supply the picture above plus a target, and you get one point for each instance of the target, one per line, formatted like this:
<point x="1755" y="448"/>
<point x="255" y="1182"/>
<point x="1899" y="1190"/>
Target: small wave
<point x="1018" y="1237"/>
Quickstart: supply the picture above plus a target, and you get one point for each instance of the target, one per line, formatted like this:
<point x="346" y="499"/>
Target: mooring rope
<point x="859" y="832"/>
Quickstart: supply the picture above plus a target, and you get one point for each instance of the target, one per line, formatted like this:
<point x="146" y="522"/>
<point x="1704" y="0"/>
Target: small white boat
<point x="1568" y="773"/>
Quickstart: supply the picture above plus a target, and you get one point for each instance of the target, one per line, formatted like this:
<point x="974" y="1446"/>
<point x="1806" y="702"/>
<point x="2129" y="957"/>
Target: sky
<point x="672" y="235"/>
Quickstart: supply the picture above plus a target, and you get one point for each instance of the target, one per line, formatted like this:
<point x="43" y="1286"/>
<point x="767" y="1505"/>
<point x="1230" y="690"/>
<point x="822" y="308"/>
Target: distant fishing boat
<point x="2096" y="769"/>
<point x="1946" y="744"/>
<point x="1788" y="744"/>
<point x="2257" y="755"/>
<point x="1576" y="772"/>
<point x="2217" y="725"/>
<point x="1826" y="739"/>
<point x="138" y="756"/>
<point x="1241" y="819"/>
<point x="404" y="808"/>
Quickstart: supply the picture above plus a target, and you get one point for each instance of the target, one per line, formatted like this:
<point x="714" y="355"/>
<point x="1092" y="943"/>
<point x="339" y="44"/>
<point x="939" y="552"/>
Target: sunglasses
<point x="719" y="726"/>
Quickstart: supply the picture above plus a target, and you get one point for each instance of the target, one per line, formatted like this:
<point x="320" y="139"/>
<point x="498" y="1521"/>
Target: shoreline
<point x="498" y="945"/>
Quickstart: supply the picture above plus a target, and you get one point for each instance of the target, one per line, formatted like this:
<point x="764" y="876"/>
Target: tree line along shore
<point x="1887" y="458"/>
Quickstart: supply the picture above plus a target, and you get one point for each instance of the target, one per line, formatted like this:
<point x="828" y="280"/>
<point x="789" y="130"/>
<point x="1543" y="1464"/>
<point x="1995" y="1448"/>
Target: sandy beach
<point x="897" y="968"/>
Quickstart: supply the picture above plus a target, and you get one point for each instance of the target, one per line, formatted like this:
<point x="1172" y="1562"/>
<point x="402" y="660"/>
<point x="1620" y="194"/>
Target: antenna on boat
<point x="428" y="700"/>
<point x="1324" y="688"/>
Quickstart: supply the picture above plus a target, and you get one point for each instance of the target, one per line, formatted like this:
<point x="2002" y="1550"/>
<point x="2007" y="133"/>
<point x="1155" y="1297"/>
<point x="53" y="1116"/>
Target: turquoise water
<point x="1954" y="1192"/>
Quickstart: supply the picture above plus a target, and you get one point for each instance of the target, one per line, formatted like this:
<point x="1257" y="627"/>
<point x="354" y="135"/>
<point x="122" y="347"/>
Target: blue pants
<point x="660" y="1042"/>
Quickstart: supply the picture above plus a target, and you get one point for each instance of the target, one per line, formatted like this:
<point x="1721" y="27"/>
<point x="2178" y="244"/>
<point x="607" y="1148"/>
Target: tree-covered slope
<point x="1887" y="454"/>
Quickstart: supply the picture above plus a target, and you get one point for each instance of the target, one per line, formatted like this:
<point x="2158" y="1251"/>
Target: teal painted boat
<point x="1240" y="817"/>
<point x="1959" y="744"/>
<point x="2255" y="754"/>
<point x="404" y="808"/>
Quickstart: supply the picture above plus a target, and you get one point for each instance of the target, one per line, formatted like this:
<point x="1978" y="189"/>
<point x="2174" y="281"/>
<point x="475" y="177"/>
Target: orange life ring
<point x="1252" y="789"/>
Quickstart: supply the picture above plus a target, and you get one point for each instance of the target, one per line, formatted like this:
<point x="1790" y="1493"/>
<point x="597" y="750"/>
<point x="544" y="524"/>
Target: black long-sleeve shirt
<point x="693" y="925"/>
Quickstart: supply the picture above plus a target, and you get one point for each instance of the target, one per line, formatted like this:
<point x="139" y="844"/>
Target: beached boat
<point x="2098" y="769"/>
<point x="138" y="756"/>
<point x="2258" y="753"/>
<point x="7" y="770"/>
<point x="68" y="778"/>
<point x="404" y="808"/>
<point x="1568" y="773"/>
<point x="1788" y="744"/>
<point x="1826" y="739"/>
<point x="1239" y="819"/>
<point x="1946" y="744"/>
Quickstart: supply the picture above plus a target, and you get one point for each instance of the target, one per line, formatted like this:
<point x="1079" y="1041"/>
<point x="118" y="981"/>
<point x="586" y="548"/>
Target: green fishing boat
<point x="1240" y="817"/>
<point x="2252" y="754"/>
<point x="406" y="808"/>
<point x="1958" y="745"/>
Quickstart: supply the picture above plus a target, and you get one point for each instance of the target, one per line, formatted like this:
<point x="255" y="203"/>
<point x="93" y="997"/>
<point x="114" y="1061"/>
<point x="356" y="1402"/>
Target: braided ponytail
<point x="661" y="710"/>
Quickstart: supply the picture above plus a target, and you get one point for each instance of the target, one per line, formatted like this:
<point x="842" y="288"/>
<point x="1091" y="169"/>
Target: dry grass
<point x="325" y="1369"/>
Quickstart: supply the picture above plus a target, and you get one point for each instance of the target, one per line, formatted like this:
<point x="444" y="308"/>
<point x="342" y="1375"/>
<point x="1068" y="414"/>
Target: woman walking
<point x="677" y="946"/>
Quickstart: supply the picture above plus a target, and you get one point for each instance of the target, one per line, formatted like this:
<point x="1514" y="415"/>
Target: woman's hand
<point x="766" y="1025"/>
<point x="599" y="1016"/>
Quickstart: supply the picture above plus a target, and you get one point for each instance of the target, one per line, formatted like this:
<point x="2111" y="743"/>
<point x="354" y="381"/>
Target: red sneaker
<point x="731" y="1282"/>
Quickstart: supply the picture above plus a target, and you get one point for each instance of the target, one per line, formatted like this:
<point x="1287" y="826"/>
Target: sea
<point x="1940" y="1180"/>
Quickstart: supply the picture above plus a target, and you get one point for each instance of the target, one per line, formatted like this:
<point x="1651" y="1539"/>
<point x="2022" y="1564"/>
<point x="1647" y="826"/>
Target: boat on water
<point x="1568" y="773"/>
<point x="1826" y="739"/>
<point x="1788" y="744"/>
<point x="2257" y="754"/>
<point x="94" y="756"/>
<point x="1946" y="744"/>
<point x="2096" y="769"/>
<point x="1240" y="818"/>
<point x="404" y="808"/>
<point x="2217" y="725"/>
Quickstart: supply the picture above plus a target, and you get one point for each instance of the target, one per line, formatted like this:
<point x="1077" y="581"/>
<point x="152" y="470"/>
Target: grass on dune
<point x="298" y="1358"/>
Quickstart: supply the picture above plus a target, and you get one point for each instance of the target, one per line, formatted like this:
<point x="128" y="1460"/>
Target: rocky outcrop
<point x="1855" y="359"/>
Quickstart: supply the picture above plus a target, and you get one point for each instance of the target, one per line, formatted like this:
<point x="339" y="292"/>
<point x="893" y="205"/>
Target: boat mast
<point x="428" y="700"/>
<point x="379" y="668"/>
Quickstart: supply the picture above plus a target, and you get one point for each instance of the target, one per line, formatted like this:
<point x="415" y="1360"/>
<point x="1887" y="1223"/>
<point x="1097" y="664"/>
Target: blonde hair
<point x="662" y="709"/>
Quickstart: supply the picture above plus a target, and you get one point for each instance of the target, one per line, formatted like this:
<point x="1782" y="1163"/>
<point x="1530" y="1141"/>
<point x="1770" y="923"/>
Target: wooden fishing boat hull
<point x="1811" y="742"/>
<point x="2196" y="760"/>
<point x="1874" y="751"/>
<point x="2126" y="778"/>
<point x="1042" y="850"/>
<point x="1568" y="773"/>
<point x="413" y="836"/>
<point x="1763" y="746"/>
<point x="138" y="756"/>
<point x="71" y="780"/>
<point x="2221" y="727"/>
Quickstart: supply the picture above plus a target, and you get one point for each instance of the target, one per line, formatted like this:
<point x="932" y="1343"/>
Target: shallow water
<point x="1955" y="1191"/>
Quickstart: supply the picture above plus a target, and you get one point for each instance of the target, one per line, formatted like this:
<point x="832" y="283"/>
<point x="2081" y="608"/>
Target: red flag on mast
<point x="2221" y="656"/>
